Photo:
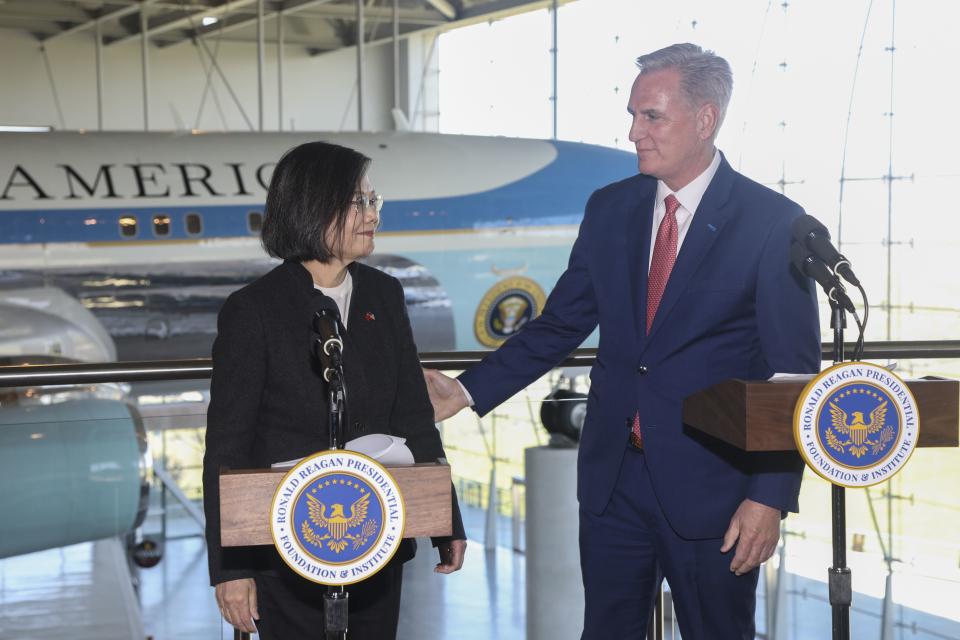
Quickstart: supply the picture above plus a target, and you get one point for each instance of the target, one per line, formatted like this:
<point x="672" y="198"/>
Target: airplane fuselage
<point x="152" y="231"/>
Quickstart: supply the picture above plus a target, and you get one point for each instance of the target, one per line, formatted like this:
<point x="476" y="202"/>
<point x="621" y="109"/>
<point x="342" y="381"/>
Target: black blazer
<point x="267" y="398"/>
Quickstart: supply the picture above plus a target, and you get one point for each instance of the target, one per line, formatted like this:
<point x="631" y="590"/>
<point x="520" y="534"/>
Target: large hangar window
<point x="128" y="226"/>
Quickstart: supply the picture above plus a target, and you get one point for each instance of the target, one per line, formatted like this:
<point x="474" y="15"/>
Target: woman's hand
<point x="237" y="600"/>
<point x="451" y="556"/>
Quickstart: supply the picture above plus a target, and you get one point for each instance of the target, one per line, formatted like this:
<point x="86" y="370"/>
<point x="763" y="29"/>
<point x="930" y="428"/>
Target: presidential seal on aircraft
<point x="856" y="424"/>
<point x="505" y="308"/>
<point x="337" y="517"/>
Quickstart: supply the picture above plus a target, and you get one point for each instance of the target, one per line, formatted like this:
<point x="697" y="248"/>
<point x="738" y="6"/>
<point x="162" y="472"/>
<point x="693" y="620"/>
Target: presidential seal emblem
<point x="505" y="308"/>
<point x="337" y="517"/>
<point x="856" y="424"/>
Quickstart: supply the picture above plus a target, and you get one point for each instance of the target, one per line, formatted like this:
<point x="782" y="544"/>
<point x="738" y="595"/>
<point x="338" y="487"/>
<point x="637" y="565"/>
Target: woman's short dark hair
<point x="311" y="190"/>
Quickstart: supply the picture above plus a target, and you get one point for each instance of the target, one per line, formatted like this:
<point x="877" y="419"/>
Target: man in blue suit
<point x="686" y="270"/>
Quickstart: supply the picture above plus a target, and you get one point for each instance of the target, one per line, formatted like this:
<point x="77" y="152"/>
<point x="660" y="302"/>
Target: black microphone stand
<point x="839" y="577"/>
<point x="336" y="599"/>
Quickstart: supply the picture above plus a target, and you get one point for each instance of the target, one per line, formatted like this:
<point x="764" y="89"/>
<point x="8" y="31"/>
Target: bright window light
<point x="209" y="20"/>
<point x="13" y="128"/>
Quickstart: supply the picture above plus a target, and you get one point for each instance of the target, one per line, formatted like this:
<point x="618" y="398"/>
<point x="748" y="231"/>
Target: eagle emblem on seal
<point x="338" y="526"/>
<point x="861" y="434"/>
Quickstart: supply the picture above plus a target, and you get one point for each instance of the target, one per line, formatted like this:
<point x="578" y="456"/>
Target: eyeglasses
<point x="364" y="202"/>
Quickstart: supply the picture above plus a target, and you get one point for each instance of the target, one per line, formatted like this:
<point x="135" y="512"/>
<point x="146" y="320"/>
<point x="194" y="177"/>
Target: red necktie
<point x="664" y="255"/>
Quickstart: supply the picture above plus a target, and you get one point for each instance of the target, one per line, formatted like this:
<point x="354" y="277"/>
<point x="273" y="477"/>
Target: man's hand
<point x="451" y="556"/>
<point x="757" y="527"/>
<point x="446" y="395"/>
<point x="237" y="600"/>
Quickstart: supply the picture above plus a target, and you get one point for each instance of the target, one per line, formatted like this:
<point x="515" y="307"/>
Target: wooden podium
<point x="245" y="498"/>
<point x="246" y="495"/>
<point x="758" y="416"/>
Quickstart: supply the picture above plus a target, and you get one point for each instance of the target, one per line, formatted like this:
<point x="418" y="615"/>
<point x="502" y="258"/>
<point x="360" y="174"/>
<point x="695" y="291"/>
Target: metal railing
<point x="202" y="368"/>
<point x="31" y="375"/>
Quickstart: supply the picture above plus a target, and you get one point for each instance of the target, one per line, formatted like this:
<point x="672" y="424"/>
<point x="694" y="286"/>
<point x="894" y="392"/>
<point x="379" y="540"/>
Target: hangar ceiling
<point x="318" y="25"/>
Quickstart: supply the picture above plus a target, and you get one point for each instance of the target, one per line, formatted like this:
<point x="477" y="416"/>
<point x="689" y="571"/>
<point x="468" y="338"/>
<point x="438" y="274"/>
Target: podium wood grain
<point x="245" y="498"/>
<point x="758" y="416"/>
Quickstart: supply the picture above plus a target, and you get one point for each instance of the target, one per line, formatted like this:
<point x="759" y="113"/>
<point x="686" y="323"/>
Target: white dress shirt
<point x="341" y="295"/>
<point x="689" y="197"/>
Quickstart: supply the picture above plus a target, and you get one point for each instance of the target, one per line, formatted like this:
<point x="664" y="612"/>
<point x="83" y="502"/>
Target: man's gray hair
<point x="704" y="76"/>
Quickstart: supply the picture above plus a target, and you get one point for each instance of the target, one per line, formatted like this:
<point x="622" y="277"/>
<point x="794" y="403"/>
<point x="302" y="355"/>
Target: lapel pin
<point x="369" y="317"/>
<point x="711" y="227"/>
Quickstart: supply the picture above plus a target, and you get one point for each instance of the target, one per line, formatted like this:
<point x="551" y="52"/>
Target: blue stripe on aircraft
<point x="553" y="195"/>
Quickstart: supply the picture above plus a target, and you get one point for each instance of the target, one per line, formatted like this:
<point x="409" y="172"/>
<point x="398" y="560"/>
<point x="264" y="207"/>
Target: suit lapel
<point x="638" y="226"/>
<point x="704" y="230"/>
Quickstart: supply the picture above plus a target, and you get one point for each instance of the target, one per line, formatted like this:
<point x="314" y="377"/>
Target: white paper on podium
<point x="806" y="377"/>
<point x="383" y="448"/>
<point x="791" y="377"/>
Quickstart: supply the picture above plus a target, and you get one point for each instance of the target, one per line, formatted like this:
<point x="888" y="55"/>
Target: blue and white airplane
<point x="149" y="232"/>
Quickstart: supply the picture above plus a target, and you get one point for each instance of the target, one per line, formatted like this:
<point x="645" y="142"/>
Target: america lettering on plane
<point x="151" y="231"/>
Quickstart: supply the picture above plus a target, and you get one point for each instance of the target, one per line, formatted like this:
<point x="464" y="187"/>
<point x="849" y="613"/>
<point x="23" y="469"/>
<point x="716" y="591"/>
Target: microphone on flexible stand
<point x="815" y="237"/>
<point x="811" y="266"/>
<point x="328" y="346"/>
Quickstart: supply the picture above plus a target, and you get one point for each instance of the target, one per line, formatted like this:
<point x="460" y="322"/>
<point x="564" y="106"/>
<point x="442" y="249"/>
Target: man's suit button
<point x="642" y="370"/>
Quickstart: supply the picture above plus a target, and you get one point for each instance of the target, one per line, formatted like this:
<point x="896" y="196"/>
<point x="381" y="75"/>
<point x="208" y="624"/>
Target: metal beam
<point x="39" y="17"/>
<point x="553" y="56"/>
<point x="280" y="35"/>
<point x="187" y="21"/>
<point x="289" y="8"/>
<point x="502" y="8"/>
<point x="145" y="67"/>
<point x="360" y="64"/>
<point x="410" y="16"/>
<point x="113" y="15"/>
<point x="98" y="52"/>
<point x="444" y="7"/>
<point x="260" y="64"/>
<point x="226" y="82"/>
<point x="396" y="54"/>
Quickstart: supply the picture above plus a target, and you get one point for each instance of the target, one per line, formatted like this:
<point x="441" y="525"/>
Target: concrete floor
<point x="84" y="592"/>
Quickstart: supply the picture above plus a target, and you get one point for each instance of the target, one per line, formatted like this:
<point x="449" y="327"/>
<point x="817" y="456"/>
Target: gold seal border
<point x="312" y="458"/>
<point x="797" y="410"/>
<point x="514" y="283"/>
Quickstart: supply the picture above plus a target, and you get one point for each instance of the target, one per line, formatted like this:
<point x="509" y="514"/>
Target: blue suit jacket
<point x="733" y="308"/>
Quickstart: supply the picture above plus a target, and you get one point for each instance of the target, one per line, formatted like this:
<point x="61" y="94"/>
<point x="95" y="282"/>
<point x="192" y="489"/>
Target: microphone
<point x="328" y="346"/>
<point x="810" y="232"/>
<point x="811" y="266"/>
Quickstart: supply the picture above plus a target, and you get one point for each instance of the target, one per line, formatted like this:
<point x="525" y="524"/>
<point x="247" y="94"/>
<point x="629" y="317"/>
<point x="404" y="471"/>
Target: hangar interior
<point x="254" y="65"/>
<point x="161" y="74"/>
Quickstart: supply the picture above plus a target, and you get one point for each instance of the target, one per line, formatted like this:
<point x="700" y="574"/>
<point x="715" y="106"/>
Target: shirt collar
<point x="691" y="195"/>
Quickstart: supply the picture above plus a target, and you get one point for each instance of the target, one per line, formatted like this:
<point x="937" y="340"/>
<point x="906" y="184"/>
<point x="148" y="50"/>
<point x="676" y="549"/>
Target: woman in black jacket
<point x="267" y="400"/>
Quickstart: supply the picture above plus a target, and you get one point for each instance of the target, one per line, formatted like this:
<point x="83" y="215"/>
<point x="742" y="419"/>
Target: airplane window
<point x="128" y="226"/>
<point x="161" y="224"/>
<point x="194" y="224"/>
<point x="254" y="221"/>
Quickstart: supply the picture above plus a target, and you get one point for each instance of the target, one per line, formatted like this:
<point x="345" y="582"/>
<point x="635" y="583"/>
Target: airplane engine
<point x="562" y="413"/>
<point x="48" y="321"/>
<point x="73" y="471"/>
